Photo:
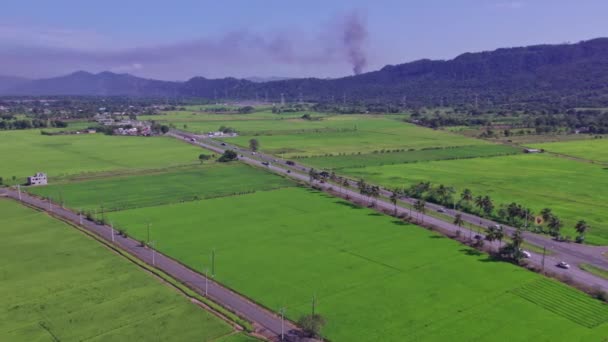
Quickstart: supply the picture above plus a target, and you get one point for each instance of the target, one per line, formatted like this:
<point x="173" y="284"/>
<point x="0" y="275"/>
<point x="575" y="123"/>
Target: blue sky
<point x="181" y="39"/>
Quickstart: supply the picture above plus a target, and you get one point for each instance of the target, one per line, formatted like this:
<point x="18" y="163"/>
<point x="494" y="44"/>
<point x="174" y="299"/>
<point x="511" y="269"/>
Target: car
<point x="563" y="264"/>
<point x="526" y="254"/>
<point x="441" y="210"/>
<point x="192" y="139"/>
<point x="223" y="144"/>
<point x="266" y="163"/>
<point x="289" y="162"/>
<point x="253" y="153"/>
<point x="288" y="171"/>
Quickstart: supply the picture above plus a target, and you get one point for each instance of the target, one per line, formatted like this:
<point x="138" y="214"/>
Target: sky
<point x="180" y="39"/>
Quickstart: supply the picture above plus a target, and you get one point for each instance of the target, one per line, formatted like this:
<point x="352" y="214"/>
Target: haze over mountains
<point x="566" y="72"/>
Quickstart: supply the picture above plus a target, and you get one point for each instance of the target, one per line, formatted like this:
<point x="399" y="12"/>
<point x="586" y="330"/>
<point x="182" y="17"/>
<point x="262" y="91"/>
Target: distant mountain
<point x="576" y="74"/>
<point x="101" y="84"/>
<point x="267" y="79"/>
<point x="8" y="82"/>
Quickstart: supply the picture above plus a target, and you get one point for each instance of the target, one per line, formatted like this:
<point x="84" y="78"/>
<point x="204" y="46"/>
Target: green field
<point x="59" y="285"/>
<point x="27" y="152"/>
<point x="388" y="158"/>
<point x="375" y="279"/>
<point x="591" y="149"/>
<point x="178" y="118"/>
<point x="572" y="189"/>
<point x="370" y="135"/>
<point x="178" y="185"/>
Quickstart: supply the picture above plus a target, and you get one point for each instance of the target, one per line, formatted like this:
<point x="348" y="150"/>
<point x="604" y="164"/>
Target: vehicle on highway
<point x="441" y="210"/>
<point x="192" y="139"/>
<point x="288" y="171"/>
<point x="223" y="144"/>
<point x="266" y="163"/>
<point x="253" y="153"/>
<point x="289" y="162"/>
<point x="526" y="254"/>
<point x="563" y="264"/>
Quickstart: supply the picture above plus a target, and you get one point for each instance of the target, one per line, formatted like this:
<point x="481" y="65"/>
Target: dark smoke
<point x="354" y="38"/>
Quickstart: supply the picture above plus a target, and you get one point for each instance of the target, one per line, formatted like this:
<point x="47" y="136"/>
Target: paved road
<point x="269" y="323"/>
<point x="573" y="254"/>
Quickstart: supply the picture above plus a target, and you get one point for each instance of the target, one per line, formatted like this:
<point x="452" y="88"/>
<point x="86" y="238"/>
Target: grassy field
<point x="180" y="117"/>
<point x="375" y="279"/>
<point x="59" y="285"/>
<point x="591" y="149"/>
<point x="388" y="158"/>
<point x="371" y="135"/>
<point x="175" y="185"/>
<point x="570" y="188"/>
<point x="27" y="152"/>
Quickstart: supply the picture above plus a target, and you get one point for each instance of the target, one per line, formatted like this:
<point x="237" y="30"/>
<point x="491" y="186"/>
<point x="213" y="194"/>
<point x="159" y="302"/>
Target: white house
<point x="38" y="179"/>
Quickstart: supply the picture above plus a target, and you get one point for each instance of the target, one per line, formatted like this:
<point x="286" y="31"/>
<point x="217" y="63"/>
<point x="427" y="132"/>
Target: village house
<point x="38" y="179"/>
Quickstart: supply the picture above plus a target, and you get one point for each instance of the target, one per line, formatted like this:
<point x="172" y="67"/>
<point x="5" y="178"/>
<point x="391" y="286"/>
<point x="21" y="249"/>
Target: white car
<point x="563" y="264"/>
<point x="526" y="254"/>
<point x="441" y="210"/>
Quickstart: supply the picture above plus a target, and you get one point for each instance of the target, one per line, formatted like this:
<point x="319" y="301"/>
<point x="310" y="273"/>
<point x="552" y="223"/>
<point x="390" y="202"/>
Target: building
<point x="38" y="179"/>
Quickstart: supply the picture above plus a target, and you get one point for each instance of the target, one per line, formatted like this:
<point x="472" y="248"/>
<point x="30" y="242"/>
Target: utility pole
<point x="50" y="205"/>
<point x="80" y="217"/>
<point x="282" y="100"/>
<point x="213" y="262"/>
<point x="148" y="239"/>
<point x="19" y="191"/>
<point x="112" y="231"/>
<point x="282" y="311"/>
<point x="152" y="243"/>
<point x="344" y="99"/>
<point x="543" y="262"/>
<point x="206" y="282"/>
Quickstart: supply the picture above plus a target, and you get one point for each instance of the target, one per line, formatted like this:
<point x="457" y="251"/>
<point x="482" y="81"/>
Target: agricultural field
<point x="389" y="157"/>
<point x="178" y="118"/>
<point x="161" y="187"/>
<point x="370" y="135"/>
<point x="61" y="285"/>
<point x="570" y="188"/>
<point x="374" y="278"/>
<point x="27" y="152"/>
<point x="590" y="149"/>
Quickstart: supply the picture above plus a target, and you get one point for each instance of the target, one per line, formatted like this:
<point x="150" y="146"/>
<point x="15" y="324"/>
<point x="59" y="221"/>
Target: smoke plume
<point x="354" y="39"/>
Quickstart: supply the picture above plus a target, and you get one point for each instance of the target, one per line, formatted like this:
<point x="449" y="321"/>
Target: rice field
<point x="591" y="149"/>
<point x="374" y="278"/>
<point x="61" y="285"/>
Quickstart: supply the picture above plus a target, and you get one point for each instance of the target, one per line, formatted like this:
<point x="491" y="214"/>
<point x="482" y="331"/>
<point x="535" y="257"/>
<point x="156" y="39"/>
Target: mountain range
<point x="557" y="73"/>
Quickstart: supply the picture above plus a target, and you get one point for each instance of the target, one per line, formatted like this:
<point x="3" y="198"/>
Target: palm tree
<point x="466" y="195"/>
<point x="546" y="214"/>
<point x="479" y="202"/>
<point x="581" y="228"/>
<point x="554" y="225"/>
<point x="458" y="221"/>
<point x="488" y="205"/>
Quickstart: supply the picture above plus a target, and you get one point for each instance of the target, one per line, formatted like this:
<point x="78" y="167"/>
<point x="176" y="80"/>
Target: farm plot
<point x="390" y="157"/>
<point x="171" y="186"/>
<point x="590" y="149"/>
<point x="569" y="188"/>
<point x="26" y="152"/>
<point x="59" y="285"/>
<point x="374" y="278"/>
<point x="367" y="135"/>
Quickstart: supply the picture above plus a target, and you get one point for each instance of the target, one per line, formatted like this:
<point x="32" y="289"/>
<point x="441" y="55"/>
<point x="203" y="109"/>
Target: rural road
<point x="268" y="324"/>
<point x="574" y="254"/>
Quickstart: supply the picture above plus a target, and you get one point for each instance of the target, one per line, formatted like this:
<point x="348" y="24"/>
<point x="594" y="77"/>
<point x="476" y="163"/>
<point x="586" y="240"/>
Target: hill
<point x="576" y="74"/>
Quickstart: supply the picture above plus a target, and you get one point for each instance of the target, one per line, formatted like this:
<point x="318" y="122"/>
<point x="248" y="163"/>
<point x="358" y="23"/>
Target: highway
<point x="573" y="254"/>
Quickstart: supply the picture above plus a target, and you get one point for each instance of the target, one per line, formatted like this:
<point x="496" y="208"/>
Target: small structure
<point x="38" y="179"/>
<point x="532" y="150"/>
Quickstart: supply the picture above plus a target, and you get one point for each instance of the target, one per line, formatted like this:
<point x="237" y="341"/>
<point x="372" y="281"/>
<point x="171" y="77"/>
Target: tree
<point x="164" y="129"/>
<point x="420" y="207"/>
<point x="254" y="144"/>
<point x="466" y="195"/>
<point x="1" y="181"/>
<point x="555" y="224"/>
<point x="581" y="228"/>
<point x="312" y="324"/>
<point x="394" y="197"/>
<point x="546" y="214"/>
<point x="488" y="205"/>
<point x="202" y="157"/>
<point x="479" y="202"/>
<point x="495" y="234"/>
<point x="227" y="156"/>
<point x="458" y="221"/>
<point x="513" y="249"/>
